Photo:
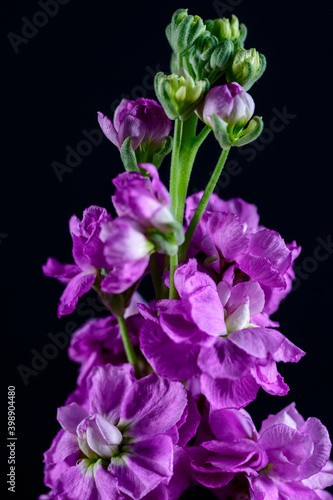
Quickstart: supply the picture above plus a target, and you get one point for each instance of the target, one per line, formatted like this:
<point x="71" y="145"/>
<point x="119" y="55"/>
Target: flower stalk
<point x="130" y="353"/>
<point x="203" y="204"/>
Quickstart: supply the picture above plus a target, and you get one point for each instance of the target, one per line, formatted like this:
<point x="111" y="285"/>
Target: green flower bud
<point x="183" y="30"/>
<point x="221" y="55"/>
<point x="246" y="68"/>
<point x="179" y="94"/>
<point x="197" y="60"/>
<point x="224" y="28"/>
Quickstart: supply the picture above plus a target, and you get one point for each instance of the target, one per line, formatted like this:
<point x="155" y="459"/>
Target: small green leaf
<point x="128" y="156"/>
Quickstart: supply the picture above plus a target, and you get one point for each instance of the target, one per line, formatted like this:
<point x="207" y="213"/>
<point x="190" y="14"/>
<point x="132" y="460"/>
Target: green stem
<point x="182" y="161"/>
<point x="189" y="148"/>
<point x="186" y="159"/>
<point x="128" y="345"/>
<point x="177" y="137"/>
<point x="201" y="136"/>
<point x="203" y="204"/>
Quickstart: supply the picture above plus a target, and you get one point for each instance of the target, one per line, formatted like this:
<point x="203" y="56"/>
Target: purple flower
<point x="147" y="201"/>
<point x="297" y="452"/>
<point x="88" y="257"/>
<point x="217" y="332"/>
<point x="236" y="246"/>
<point x="122" y="441"/>
<point x="289" y="457"/>
<point x="227" y="109"/>
<point x="246" y="212"/>
<point x="229" y="448"/>
<point x="126" y="251"/>
<point x="145" y="224"/>
<point x="144" y="120"/>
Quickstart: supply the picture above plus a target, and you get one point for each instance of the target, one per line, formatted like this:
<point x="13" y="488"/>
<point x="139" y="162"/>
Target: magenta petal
<point x="131" y="127"/>
<point x="181" y="477"/>
<point x="142" y="470"/>
<point x="102" y="400"/>
<point x="226" y="393"/>
<point x="322" y="479"/>
<point x="153" y="405"/>
<point x="159" y="492"/>
<point x="207" y="311"/>
<point x="288" y="352"/>
<point x="70" y="416"/>
<point x="264" y="488"/>
<point x="63" y="445"/>
<point x="80" y="255"/>
<point x="224" y="360"/>
<point x="230" y="239"/>
<point x="203" y="471"/>
<point x="106" y="484"/>
<point x="287" y="448"/>
<point x="257" y="342"/>
<point x="157" y="187"/>
<point x="322" y="447"/>
<point x="260" y="269"/>
<point x="124" y="241"/>
<point x="108" y="128"/>
<point x="250" y="289"/>
<point x="177" y="361"/>
<point x="269" y="379"/>
<point x="269" y="244"/>
<point x="296" y="490"/>
<point x="122" y="277"/>
<point x="63" y="272"/>
<point x="177" y="325"/>
<point x="77" y="482"/>
<point x="189" y="427"/>
<point x="243" y="455"/>
<point x="230" y="425"/>
<point x="288" y="416"/>
<point x="77" y="287"/>
<point x="183" y="273"/>
<point x="121" y="111"/>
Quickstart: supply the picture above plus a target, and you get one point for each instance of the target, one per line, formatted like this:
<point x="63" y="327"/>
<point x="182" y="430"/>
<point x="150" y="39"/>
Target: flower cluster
<point x="159" y="407"/>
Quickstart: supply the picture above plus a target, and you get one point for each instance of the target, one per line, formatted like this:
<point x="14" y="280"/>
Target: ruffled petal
<point x="63" y="272"/>
<point x="177" y="361"/>
<point x="76" y="287"/>
<point x="153" y="405"/>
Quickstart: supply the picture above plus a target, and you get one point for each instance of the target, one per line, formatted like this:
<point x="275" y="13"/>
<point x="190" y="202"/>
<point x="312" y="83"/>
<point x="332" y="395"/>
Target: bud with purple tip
<point x="140" y="130"/>
<point x="228" y="110"/>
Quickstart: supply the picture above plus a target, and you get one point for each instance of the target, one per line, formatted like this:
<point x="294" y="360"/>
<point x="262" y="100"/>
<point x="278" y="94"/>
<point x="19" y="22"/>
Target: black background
<point x="85" y="59"/>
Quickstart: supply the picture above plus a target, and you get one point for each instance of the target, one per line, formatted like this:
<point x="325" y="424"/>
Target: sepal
<point x="242" y="36"/>
<point x="228" y="137"/>
<point x="128" y="156"/>
<point x="221" y="134"/>
<point x="162" y="152"/>
<point x="183" y="30"/>
<point x="167" y="243"/>
<point x="250" y="133"/>
<point x="197" y="60"/>
<point x="221" y="55"/>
